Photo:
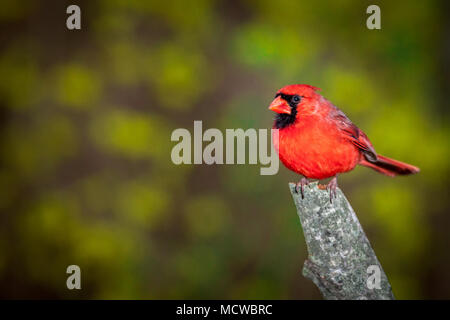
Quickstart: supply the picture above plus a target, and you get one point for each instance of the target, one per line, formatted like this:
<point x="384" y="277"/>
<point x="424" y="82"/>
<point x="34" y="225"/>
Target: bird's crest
<point x="300" y="89"/>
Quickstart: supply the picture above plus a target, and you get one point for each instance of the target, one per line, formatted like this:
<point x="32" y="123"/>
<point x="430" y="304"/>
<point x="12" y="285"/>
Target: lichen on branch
<point x="341" y="261"/>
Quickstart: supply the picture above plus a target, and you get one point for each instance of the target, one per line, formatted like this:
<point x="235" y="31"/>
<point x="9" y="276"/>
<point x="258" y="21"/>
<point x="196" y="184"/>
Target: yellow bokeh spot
<point x="77" y="87"/>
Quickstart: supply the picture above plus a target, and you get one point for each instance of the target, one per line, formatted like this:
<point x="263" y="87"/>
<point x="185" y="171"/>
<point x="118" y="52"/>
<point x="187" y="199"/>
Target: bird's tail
<point x="389" y="167"/>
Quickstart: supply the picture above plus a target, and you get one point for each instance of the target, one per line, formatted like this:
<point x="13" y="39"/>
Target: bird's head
<point x="287" y="101"/>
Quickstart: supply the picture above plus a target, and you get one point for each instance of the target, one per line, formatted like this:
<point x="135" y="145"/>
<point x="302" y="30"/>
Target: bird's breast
<point x="315" y="148"/>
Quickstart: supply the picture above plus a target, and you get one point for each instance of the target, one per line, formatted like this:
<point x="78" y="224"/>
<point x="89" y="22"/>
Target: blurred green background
<point x="86" y="118"/>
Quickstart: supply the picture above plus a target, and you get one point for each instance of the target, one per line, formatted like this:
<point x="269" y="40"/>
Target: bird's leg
<point x="331" y="186"/>
<point x="303" y="182"/>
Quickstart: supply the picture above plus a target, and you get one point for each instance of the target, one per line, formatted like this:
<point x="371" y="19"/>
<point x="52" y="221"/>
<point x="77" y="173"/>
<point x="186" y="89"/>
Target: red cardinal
<point x="318" y="141"/>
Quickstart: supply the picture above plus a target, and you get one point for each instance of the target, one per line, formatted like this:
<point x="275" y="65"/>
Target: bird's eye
<point x="296" y="99"/>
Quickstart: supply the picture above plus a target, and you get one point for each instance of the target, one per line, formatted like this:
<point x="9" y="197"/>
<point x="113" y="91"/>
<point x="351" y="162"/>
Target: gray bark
<point x="341" y="261"/>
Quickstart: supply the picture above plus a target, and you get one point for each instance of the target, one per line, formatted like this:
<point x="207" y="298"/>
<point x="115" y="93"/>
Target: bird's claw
<point x="331" y="186"/>
<point x="299" y="185"/>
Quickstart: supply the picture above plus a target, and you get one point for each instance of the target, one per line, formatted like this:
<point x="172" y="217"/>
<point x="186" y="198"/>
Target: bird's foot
<point x="299" y="185"/>
<point x="331" y="186"/>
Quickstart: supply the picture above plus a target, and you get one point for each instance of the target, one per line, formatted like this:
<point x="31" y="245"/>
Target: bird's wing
<point x="354" y="134"/>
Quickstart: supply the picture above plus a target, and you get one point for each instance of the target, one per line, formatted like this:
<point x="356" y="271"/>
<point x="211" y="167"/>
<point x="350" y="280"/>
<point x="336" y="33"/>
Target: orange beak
<point x="280" y="106"/>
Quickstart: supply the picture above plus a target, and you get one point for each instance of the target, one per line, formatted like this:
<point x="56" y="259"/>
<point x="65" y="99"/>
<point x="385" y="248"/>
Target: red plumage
<point x="318" y="141"/>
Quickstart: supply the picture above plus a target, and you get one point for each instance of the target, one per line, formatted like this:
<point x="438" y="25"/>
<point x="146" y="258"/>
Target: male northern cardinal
<point x="318" y="141"/>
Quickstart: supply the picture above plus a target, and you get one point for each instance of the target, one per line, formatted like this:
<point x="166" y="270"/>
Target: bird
<point x="318" y="141"/>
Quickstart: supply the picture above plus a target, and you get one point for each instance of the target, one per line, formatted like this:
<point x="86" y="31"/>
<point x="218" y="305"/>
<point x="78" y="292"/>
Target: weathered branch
<point x="340" y="256"/>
